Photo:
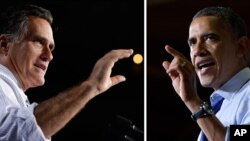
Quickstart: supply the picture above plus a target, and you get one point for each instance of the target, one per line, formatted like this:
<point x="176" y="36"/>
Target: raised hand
<point x="182" y="74"/>
<point x="101" y="74"/>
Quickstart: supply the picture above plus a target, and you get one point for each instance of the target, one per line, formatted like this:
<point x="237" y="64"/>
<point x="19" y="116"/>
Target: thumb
<point x="117" y="79"/>
<point x="166" y="64"/>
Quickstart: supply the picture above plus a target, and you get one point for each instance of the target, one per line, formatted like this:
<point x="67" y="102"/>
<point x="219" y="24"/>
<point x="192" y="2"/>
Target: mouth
<point x="41" y="66"/>
<point x="205" y="64"/>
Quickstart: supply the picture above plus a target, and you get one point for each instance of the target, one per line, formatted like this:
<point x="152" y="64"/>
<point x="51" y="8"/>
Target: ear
<point x="4" y="45"/>
<point x="243" y="49"/>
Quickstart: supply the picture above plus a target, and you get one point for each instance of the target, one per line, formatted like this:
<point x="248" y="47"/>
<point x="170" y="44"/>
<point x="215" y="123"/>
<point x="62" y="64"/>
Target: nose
<point x="47" y="54"/>
<point x="199" y="50"/>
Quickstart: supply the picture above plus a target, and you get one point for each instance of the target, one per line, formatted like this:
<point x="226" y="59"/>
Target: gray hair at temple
<point x="14" y="20"/>
<point x="235" y="23"/>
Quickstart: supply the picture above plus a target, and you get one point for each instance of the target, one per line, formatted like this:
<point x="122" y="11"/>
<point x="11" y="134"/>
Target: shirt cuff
<point x="31" y="109"/>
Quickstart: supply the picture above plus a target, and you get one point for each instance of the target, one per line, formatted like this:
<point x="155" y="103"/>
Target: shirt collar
<point x="7" y="72"/>
<point x="233" y="85"/>
<point x="9" y="76"/>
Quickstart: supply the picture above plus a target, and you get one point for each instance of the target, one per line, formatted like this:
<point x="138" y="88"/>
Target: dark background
<point x="168" y="21"/>
<point x="84" y="32"/>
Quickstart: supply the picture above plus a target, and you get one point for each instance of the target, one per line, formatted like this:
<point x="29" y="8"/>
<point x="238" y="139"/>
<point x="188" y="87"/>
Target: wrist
<point x="204" y="110"/>
<point x="89" y="89"/>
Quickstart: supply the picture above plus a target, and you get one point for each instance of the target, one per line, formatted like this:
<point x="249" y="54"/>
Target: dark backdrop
<point x="84" y="32"/>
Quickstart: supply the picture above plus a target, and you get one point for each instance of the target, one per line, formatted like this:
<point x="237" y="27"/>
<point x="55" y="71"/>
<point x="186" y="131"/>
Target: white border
<point x="145" y="70"/>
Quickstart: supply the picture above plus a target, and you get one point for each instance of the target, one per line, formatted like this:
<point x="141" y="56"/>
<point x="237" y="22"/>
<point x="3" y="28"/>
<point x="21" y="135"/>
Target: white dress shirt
<point x="17" y="120"/>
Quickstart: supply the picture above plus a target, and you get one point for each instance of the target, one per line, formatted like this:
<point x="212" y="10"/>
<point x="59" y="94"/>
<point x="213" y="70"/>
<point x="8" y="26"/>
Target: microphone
<point x="123" y="129"/>
<point x="125" y="123"/>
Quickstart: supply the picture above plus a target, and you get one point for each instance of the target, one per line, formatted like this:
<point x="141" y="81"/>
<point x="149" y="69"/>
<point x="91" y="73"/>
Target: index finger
<point x="119" y="53"/>
<point x="114" y="55"/>
<point x="173" y="52"/>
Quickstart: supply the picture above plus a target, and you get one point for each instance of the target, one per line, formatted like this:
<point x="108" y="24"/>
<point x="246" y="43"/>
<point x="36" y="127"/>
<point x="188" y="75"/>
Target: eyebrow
<point x="44" y="40"/>
<point x="205" y="34"/>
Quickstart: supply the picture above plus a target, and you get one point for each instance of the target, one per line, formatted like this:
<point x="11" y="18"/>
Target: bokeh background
<point x="168" y="21"/>
<point x="84" y="32"/>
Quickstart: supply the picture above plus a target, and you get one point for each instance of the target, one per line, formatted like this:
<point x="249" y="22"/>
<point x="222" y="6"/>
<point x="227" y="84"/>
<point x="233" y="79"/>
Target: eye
<point x="51" y="47"/>
<point x="38" y="41"/>
<point x="191" y="42"/>
<point x="211" y="37"/>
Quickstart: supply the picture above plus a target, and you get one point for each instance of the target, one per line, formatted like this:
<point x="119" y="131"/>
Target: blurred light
<point x="137" y="58"/>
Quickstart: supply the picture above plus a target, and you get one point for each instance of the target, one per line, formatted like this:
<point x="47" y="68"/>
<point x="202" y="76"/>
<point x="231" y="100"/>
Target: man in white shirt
<point x="26" y="45"/>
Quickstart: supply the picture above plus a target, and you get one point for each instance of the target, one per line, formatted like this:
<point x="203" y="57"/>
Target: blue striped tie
<point x="216" y="107"/>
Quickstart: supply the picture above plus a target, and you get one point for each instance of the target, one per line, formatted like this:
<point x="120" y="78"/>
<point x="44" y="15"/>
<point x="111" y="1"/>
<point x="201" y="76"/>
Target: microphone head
<point x="123" y="129"/>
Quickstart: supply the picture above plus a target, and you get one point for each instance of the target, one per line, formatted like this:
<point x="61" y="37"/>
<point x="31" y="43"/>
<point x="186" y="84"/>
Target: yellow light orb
<point x="137" y="58"/>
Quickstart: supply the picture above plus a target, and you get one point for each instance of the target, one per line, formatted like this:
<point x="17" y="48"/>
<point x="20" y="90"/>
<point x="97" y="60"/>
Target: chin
<point x="39" y="82"/>
<point x="42" y="82"/>
<point x="206" y="83"/>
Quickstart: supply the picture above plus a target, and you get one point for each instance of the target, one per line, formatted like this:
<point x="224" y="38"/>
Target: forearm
<point x="53" y="114"/>
<point x="210" y="125"/>
<point x="213" y="128"/>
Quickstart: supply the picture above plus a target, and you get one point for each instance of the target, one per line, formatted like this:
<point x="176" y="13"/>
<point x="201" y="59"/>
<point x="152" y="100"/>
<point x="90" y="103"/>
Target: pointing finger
<point x="173" y="52"/>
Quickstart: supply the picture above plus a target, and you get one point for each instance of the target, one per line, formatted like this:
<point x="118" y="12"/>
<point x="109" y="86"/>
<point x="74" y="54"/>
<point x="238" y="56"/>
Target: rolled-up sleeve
<point x="19" y="124"/>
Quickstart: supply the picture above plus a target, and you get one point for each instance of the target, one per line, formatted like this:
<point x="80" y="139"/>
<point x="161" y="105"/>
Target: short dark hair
<point x="235" y="23"/>
<point x="13" y="21"/>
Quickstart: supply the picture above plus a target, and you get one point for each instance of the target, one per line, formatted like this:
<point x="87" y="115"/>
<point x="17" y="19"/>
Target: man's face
<point x="213" y="51"/>
<point x="31" y="56"/>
